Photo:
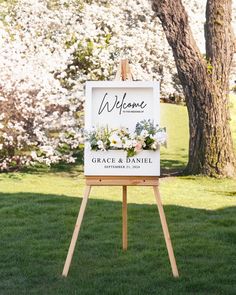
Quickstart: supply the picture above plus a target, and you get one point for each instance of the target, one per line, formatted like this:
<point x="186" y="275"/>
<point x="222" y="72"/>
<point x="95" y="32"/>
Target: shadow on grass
<point x="226" y="193"/>
<point x="36" y="230"/>
<point x="172" y="167"/>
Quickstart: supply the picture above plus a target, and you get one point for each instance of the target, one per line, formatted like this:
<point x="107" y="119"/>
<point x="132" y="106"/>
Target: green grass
<point x="38" y="211"/>
<point x="174" y="157"/>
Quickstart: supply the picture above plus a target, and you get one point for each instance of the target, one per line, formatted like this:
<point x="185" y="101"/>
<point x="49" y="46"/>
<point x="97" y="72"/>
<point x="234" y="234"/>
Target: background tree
<point x="205" y="82"/>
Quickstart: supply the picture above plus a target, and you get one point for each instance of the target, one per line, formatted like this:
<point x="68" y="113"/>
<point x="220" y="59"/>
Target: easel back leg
<point x="124" y="221"/>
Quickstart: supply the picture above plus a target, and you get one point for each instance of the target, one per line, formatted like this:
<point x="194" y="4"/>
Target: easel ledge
<point x="122" y="180"/>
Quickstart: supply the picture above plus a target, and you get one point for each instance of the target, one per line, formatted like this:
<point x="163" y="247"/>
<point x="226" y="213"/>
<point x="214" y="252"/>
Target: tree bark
<point x="205" y="83"/>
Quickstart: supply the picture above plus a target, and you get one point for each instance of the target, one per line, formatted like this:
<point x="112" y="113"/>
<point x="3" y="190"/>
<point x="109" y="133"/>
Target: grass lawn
<point x="38" y="212"/>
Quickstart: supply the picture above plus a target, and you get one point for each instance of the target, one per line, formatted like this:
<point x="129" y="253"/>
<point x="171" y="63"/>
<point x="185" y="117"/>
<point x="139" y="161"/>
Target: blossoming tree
<point x="48" y="49"/>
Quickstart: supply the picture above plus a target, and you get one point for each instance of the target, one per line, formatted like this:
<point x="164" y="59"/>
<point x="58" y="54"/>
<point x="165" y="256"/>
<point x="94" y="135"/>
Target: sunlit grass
<point x="175" y="156"/>
<point x="194" y="192"/>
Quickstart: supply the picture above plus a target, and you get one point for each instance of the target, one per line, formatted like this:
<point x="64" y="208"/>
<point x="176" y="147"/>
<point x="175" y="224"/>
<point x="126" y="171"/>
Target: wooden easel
<point x="123" y="73"/>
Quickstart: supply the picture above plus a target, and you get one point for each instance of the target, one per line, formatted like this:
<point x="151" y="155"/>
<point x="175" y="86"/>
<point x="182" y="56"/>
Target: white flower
<point x="1" y="146"/>
<point x="48" y="150"/>
<point x="48" y="162"/>
<point x="100" y="145"/>
<point x="63" y="75"/>
<point x="34" y="155"/>
<point x="154" y="146"/>
<point x="132" y="135"/>
<point x="127" y="143"/>
<point x="70" y="160"/>
<point x="115" y="141"/>
<point x="134" y="142"/>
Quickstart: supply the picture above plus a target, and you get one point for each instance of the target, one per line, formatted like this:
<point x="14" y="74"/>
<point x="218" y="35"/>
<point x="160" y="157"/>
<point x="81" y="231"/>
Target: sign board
<point x="116" y="104"/>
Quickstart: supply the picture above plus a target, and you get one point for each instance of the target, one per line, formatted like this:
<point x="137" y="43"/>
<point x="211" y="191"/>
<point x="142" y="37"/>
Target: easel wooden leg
<point x="124" y="219"/>
<point x="76" y="231"/>
<point x="166" y="232"/>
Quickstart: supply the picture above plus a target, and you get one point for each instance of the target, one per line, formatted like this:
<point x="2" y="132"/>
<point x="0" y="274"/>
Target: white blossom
<point x="115" y="141"/>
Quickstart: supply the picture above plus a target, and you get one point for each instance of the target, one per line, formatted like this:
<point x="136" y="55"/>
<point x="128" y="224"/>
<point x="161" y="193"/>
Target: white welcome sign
<point x="118" y="104"/>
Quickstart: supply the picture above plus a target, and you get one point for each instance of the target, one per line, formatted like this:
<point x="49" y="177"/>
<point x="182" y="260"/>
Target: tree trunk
<point x="205" y="83"/>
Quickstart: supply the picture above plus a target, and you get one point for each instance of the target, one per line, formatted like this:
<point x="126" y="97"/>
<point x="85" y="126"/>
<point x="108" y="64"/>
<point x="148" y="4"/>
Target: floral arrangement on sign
<point x="146" y="136"/>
